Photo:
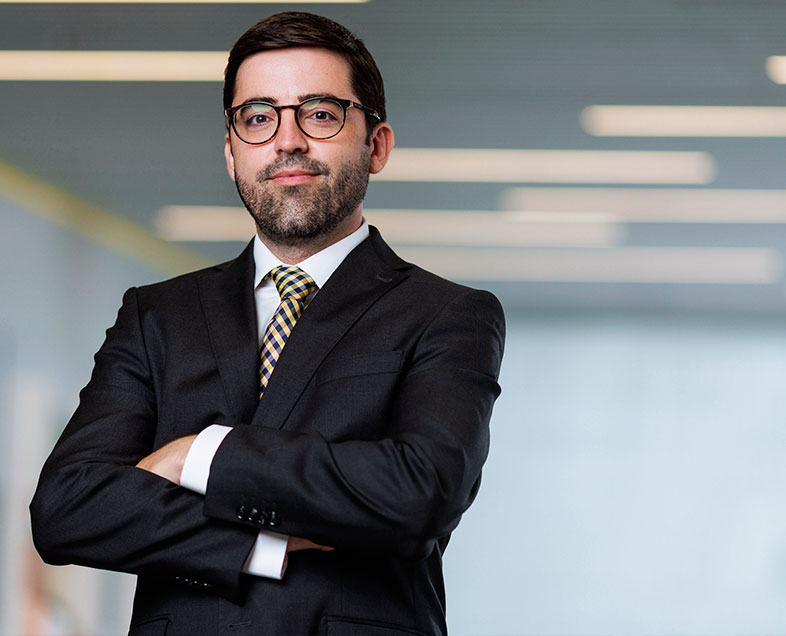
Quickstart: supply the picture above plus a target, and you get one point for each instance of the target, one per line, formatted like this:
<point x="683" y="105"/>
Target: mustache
<point x="290" y="162"/>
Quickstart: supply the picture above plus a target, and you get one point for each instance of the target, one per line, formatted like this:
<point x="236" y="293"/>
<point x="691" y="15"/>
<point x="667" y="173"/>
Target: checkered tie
<point x="294" y="286"/>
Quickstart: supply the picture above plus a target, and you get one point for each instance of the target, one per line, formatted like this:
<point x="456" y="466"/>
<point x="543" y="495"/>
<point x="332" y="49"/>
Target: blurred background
<point x="613" y="170"/>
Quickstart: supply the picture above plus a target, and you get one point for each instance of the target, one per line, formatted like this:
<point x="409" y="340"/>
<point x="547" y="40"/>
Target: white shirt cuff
<point x="268" y="557"/>
<point x="196" y="468"/>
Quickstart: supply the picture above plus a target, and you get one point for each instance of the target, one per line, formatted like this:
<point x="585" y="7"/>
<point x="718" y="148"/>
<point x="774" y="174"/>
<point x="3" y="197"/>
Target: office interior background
<point x="613" y="170"/>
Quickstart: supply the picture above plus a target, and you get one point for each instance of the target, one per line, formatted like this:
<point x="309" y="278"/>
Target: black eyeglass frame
<point x="229" y="113"/>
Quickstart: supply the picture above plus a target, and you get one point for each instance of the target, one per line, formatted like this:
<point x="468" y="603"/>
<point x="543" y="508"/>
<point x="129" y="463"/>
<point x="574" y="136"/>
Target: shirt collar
<point x="319" y="266"/>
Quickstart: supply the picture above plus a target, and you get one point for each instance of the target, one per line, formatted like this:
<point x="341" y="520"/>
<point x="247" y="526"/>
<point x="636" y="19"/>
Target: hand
<point x="167" y="461"/>
<point x="297" y="543"/>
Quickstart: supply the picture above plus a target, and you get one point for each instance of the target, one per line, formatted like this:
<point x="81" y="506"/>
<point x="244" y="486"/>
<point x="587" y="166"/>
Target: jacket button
<point x="241" y="512"/>
<point x="253" y="515"/>
<point x="263" y="517"/>
<point x="274" y="519"/>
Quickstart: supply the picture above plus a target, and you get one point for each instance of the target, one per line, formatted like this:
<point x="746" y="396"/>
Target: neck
<point x="291" y="254"/>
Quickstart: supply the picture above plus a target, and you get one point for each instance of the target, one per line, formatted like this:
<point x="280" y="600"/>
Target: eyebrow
<point x="274" y="101"/>
<point x="269" y="100"/>
<point x="307" y="96"/>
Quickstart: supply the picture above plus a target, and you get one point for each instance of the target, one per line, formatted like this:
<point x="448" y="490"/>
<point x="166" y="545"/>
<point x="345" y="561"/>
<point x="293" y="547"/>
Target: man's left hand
<point x="167" y="461"/>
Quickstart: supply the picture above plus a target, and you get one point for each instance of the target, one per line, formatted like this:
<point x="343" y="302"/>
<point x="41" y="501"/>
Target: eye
<point x="256" y="116"/>
<point x="321" y="112"/>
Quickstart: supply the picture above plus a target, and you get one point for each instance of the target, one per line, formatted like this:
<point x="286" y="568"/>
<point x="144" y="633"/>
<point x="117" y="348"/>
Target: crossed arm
<point x="101" y="501"/>
<point x="168" y="462"/>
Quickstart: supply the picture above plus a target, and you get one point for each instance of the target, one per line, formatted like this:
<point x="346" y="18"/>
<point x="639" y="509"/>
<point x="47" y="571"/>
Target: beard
<point x="296" y="215"/>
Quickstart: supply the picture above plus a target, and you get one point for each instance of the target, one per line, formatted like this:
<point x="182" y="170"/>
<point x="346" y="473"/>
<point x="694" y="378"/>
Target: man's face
<point x="300" y="190"/>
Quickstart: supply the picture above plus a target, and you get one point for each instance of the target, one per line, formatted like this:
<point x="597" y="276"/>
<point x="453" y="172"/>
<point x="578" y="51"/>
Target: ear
<point x="229" y="157"/>
<point x="381" y="143"/>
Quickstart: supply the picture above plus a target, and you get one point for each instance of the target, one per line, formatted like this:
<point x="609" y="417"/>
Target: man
<point x="336" y="411"/>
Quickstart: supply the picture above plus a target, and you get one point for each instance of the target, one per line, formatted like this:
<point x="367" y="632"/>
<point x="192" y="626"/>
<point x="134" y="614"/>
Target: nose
<point x="289" y="138"/>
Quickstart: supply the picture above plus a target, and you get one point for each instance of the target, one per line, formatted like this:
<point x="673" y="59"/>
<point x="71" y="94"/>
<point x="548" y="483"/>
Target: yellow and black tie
<point x="294" y="286"/>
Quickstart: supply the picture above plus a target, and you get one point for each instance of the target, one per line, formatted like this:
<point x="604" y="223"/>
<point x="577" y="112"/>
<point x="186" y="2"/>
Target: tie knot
<point x="292" y="282"/>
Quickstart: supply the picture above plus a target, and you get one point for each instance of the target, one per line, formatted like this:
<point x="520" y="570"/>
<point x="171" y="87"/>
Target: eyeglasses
<point x="318" y="118"/>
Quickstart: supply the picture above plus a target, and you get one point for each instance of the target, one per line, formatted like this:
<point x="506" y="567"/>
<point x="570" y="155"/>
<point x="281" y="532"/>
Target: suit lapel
<point x="227" y="296"/>
<point x="367" y="273"/>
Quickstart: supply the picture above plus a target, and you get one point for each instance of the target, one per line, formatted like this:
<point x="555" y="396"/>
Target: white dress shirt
<point x="268" y="556"/>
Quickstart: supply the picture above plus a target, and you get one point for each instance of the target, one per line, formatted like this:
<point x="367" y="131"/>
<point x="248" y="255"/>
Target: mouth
<point x="293" y="177"/>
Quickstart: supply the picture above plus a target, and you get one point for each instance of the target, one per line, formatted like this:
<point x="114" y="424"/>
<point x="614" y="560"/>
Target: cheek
<point x="248" y="162"/>
<point x="339" y="159"/>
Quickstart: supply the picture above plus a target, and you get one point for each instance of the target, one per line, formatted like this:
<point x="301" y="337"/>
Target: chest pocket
<point x="359" y="364"/>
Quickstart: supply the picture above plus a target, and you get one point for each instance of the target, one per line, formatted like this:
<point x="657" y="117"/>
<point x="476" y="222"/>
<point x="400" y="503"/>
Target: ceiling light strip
<point x="684" y="121"/>
<point x="442" y="227"/>
<point x="204" y="223"/>
<point x="547" y="166"/>
<point x="114" y="66"/>
<point x="661" y="265"/>
<point x="413" y="227"/>
<point x="776" y="68"/>
<point x="652" y="205"/>
<point x="182" y="1"/>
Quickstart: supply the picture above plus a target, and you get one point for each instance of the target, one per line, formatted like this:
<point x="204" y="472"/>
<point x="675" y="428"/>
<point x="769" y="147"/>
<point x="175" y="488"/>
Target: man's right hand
<point x="296" y="543"/>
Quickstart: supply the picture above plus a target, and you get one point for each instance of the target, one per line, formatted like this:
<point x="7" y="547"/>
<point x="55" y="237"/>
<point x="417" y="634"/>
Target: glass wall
<point x="60" y="291"/>
<point x="634" y="481"/>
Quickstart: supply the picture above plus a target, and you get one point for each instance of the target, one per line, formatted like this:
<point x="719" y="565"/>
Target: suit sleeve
<point x="93" y="507"/>
<point x="396" y="495"/>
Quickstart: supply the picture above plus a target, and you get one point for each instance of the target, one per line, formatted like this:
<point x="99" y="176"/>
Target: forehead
<point x="287" y="75"/>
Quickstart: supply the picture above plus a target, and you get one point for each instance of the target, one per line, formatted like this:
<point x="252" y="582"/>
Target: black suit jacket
<point x="370" y="438"/>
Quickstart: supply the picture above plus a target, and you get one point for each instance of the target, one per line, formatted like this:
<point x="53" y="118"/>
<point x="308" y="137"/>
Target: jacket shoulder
<point x="424" y="283"/>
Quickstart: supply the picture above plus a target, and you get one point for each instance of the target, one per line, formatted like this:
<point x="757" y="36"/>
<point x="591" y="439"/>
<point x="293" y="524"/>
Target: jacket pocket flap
<point x="347" y="366"/>
<point x="339" y="626"/>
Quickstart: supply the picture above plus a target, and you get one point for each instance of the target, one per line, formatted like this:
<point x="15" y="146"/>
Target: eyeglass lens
<point x="318" y="118"/>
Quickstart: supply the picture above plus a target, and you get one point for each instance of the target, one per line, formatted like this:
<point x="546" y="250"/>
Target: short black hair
<point x="299" y="28"/>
